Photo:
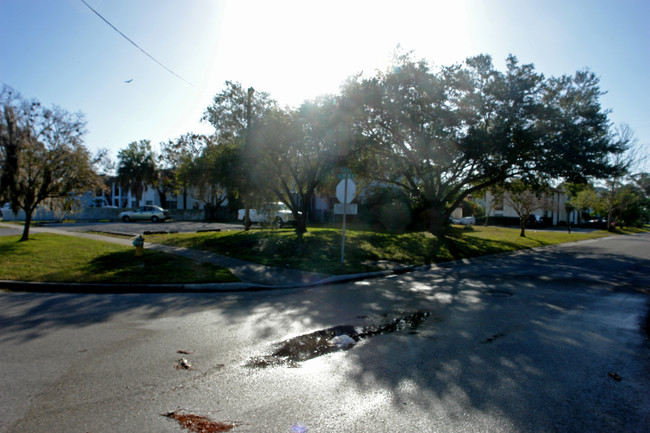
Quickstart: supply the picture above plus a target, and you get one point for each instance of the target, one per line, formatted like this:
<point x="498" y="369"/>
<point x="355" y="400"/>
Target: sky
<point x="62" y="53"/>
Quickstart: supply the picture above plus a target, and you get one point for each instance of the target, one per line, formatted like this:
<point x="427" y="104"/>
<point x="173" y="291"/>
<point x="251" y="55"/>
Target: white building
<point x="122" y="198"/>
<point x="554" y="209"/>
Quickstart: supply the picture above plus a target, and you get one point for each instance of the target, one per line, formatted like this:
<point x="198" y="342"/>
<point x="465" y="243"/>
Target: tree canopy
<point x="136" y="167"/>
<point x="524" y="199"/>
<point x="42" y="155"/>
<point x="436" y="134"/>
<point x="443" y="134"/>
<point x="297" y="151"/>
<point x="234" y="113"/>
<point x="207" y="171"/>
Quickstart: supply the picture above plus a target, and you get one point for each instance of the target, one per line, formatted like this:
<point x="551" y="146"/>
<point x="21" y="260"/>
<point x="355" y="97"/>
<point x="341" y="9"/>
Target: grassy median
<point x="58" y="258"/>
<point x="49" y="257"/>
<point x="365" y="250"/>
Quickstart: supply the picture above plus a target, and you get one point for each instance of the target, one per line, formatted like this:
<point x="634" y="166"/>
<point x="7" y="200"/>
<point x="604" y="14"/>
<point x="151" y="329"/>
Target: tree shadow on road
<point x="538" y="339"/>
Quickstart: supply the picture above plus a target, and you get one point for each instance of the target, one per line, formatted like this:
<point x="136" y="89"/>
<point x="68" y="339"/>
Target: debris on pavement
<point x="200" y="424"/>
<point x="492" y="338"/>
<point x="342" y="341"/>
<point x="615" y="376"/>
<point x="185" y="352"/>
<point x="183" y="364"/>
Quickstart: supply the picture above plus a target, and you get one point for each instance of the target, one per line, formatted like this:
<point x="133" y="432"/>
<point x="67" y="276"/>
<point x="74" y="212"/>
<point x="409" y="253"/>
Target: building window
<point x="149" y="202"/>
<point x="172" y="204"/>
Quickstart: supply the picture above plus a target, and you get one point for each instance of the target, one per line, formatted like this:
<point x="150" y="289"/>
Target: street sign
<point x="343" y="176"/>
<point x="345" y="191"/>
<point x="345" y="209"/>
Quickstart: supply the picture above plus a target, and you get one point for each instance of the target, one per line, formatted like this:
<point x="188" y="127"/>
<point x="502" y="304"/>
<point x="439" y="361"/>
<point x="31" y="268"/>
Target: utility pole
<point x="247" y="206"/>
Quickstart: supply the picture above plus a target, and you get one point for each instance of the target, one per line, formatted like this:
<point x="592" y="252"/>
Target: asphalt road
<point x="540" y="341"/>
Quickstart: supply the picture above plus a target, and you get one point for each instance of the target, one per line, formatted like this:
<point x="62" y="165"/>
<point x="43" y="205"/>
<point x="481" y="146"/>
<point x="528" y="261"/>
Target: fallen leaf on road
<point x="199" y="424"/>
<point x="185" y="352"/>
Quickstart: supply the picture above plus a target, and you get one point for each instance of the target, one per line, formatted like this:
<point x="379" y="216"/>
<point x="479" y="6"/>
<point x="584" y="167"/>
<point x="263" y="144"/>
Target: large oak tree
<point x="297" y="152"/>
<point x="443" y="134"/>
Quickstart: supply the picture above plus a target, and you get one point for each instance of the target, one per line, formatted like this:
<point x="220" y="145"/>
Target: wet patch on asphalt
<point x="308" y="346"/>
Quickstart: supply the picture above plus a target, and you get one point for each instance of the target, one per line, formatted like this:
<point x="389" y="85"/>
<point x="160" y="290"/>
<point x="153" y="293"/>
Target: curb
<point x="35" y="286"/>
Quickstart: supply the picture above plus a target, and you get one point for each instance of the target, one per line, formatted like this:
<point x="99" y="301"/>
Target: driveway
<point x="550" y="340"/>
<point x="4" y="231"/>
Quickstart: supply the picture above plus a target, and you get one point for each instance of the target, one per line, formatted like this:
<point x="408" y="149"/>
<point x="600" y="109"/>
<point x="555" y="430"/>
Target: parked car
<point x="276" y="213"/>
<point x="153" y="213"/>
<point x="534" y="220"/>
<point x="466" y="221"/>
<point x="596" y="223"/>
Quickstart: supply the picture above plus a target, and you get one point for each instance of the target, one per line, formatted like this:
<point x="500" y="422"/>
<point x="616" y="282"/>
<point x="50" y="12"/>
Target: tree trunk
<point x="437" y="220"/>
<point x="568" y="211"/>
<point x="610" y="226"/>
<point x="301" y="224"/>
<point x="247" y="217"/>
<point x="522" y="222"/>
<point x="163" y="199"/>
<point x="28" y="222"/>
<point x="610" y="206"/>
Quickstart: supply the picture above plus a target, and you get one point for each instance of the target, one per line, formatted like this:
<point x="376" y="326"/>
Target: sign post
<point x="345" y="192"/>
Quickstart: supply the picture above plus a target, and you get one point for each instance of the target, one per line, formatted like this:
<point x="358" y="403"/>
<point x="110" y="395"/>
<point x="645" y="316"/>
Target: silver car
<point x="153" y="213"/>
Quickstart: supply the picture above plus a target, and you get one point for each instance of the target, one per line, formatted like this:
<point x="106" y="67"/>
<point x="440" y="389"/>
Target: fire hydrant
<point x="138" y="243"/>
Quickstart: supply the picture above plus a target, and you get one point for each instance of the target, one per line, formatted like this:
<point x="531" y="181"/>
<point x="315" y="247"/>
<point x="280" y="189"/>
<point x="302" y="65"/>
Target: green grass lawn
<point x="58" y="258"/>
<point x="320" y="249"/>
<point x="49" y="257"/>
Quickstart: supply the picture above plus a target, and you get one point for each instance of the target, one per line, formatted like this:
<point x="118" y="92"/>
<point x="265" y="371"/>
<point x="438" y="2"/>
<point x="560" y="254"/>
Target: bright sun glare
<point x="306" y="48"/>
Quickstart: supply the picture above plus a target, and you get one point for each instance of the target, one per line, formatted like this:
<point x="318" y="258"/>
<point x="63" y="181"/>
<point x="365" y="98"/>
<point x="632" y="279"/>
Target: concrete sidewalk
<point x="253" y="275"/>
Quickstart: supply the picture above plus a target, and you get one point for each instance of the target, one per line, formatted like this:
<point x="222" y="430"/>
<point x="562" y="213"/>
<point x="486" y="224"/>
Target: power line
<point x="134" y="44"/>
